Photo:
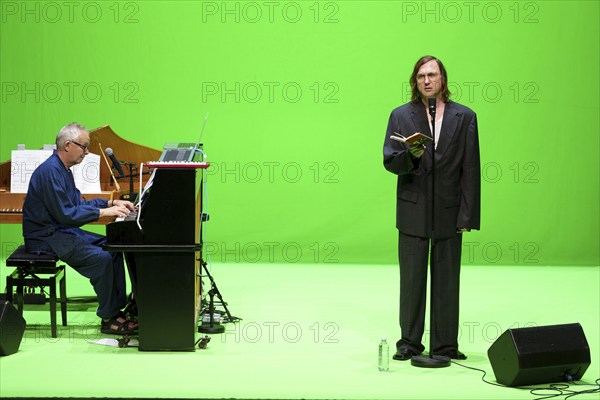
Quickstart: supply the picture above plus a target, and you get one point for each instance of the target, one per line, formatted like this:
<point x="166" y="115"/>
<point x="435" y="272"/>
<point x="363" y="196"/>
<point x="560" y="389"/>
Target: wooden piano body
<point x="11" y="204"/>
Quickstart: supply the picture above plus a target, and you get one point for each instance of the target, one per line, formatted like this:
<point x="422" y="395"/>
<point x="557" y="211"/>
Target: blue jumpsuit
<point x="52" y="214"/>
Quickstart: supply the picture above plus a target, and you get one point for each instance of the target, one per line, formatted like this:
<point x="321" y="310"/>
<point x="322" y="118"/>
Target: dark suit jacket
<point x="457" y="171"/>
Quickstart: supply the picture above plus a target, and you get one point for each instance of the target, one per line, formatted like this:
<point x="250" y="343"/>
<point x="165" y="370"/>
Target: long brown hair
<point x="416" y="95"/>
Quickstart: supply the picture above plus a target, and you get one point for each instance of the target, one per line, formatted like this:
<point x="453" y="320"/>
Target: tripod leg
<point x="217" y="292"/>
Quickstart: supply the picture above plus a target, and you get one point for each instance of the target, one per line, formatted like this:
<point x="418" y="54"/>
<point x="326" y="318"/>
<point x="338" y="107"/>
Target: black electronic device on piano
<point x="181" y="152"/>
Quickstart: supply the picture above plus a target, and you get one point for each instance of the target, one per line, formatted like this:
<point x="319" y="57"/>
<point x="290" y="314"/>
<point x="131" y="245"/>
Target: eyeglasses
<point x="431" y="75"/>
<point x="84" y="148"/>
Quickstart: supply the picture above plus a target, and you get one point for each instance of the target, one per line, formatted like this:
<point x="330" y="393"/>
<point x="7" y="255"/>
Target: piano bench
<point x="28" y="267"/>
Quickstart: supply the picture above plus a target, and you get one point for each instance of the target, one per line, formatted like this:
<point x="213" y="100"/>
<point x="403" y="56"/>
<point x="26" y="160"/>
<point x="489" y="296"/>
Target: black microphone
<point x="116" y="163"/>
<point x="432" y="101"/>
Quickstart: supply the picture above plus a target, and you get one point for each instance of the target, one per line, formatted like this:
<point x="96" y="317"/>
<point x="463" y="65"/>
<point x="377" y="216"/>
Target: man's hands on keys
<point x="119" y="209"/>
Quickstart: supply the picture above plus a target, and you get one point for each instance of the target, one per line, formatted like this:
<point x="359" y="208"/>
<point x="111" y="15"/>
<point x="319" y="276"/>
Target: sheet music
<point x="22" y="165"/>
<point x="24" y="162"/>
<point x="87" y="174"/>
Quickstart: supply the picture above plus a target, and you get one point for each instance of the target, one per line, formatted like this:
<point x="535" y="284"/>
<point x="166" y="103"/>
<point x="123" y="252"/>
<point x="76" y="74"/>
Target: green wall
<point x="298" y="96"/>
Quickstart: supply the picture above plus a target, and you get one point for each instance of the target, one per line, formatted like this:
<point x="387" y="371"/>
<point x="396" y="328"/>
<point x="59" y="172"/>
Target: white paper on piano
<point x="22" y="165"/>
<point x="87" y="174"/>
<point x="114" y="342"/>
<point x="24" y="162"/>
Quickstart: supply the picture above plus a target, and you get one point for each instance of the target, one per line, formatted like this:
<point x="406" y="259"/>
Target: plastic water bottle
<point x="384" y="355"/>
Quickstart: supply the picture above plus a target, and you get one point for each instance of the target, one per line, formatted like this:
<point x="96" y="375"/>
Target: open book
<point x="415" y="138"/>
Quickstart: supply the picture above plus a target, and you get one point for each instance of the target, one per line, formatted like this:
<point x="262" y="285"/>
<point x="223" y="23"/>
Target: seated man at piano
<point x="53" y="213"/>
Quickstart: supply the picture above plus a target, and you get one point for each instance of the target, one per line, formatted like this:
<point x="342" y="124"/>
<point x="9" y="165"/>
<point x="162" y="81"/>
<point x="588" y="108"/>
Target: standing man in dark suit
<point x="457" y="207"/>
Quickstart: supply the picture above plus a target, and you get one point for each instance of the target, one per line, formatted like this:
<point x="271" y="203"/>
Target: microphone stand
<point x="131" y="195"/>
<point x="131" y="166"/>
<point x="211" y="326"/>
<point x="117" y="186"/>
<point x="432" y="361"/>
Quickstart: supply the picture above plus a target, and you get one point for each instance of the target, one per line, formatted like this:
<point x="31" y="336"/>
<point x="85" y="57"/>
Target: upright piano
<point x="162" y="242"/>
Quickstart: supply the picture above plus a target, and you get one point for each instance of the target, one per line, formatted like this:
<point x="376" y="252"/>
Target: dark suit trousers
<point x="413" y="254"/>
<point x="82" y="250"/>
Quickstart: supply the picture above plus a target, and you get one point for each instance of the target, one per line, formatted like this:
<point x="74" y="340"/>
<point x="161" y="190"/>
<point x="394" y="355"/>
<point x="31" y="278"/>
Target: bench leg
<point x="9" y="289"/>
<point x="53" y="306"/>
<point x="63" y="297"/>
<point x="20" y="297"/>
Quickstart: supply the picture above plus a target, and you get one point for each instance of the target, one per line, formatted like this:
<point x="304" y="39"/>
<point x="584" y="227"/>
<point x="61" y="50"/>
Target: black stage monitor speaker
<point x="543" y="354"/>
<point x="12" y="327"/>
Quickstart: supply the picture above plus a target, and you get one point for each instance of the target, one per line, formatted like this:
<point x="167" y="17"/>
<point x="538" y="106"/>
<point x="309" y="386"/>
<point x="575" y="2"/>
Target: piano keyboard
<point x="11" y="210"/>
<point x="131" y="217"/>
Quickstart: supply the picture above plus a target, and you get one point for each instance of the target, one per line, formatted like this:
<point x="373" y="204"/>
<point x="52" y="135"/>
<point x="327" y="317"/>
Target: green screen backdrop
<point x="298" y="95"/>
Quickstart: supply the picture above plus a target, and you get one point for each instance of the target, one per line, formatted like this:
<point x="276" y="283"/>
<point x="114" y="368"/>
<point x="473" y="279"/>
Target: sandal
<point x="127" y="316"/>
<point x="118" y="325"/>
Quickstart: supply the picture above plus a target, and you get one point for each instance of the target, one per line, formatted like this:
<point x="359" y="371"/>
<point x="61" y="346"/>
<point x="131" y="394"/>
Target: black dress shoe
<point x="403" y="354"/>
<point x="454" y="354"/>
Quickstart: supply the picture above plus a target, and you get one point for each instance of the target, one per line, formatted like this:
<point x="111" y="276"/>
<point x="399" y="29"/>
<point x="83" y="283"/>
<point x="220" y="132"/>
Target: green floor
<point x="308" y="331"/>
